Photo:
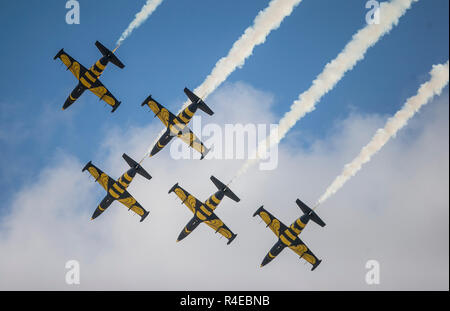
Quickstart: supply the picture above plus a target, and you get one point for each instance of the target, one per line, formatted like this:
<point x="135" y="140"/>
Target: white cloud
<point x="395" y="211"/>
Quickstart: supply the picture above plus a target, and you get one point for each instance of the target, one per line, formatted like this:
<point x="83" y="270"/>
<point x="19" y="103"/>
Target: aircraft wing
<point x="271" y="221"/>
<point x="159" y="110"/>
<point x="129" y="201"/>
<point x="189" y="138"/>
<point x="304" y="252"/>
<point x="217" y="224"/>
<point x="104" y="94"/>
<point x="73" y="65"/>
<point x="102" y="178"/>
<point x="188" y="199"/>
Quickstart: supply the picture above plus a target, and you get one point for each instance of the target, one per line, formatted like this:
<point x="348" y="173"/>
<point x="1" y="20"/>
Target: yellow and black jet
<point x="88" y="78"/>
<point x="116" y="190"/>
<point x="288" y="236"/>
<point x="204" y="212"/>
<point x="177" y="125"/>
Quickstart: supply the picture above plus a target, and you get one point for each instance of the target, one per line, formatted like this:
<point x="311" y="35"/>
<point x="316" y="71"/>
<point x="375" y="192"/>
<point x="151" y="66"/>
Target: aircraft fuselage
<point x="202" y="213"/>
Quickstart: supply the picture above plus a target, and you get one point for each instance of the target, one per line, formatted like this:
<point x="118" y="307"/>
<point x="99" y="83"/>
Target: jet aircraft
<point x="116" y="190"/>
<point x="177" y="125"/>
<point x="89" y="78"/>
<point x="204" y="212"/>
<point x="288" y="236"/>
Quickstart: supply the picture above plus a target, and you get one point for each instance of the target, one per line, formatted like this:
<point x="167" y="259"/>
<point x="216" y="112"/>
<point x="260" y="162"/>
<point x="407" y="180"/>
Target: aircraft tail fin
<point x="225" y="189"/>
<point x="139" y="169"/>
<point x="195" y="99"/>
<point x="311" y="214"/>
<point x="106" y="52"/>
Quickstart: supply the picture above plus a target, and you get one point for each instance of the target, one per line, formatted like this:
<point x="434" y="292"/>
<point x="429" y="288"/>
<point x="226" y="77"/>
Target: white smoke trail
<point x="267" y="20"/>
<point x="439" y="79"/>
<point x="334" y="71"/>
<point x="148" y="8"/>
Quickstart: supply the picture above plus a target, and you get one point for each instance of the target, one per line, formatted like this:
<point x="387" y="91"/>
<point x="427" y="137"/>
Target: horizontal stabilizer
<point x="111" y="57"/>
<point x="139" y="169"/>
<point x="195" y="99"/>
<point x="310" y="213"/>
<point x="225" y="189"/>
<point x="205" y="153"/>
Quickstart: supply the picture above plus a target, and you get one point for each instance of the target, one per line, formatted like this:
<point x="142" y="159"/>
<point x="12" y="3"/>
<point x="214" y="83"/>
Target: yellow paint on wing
<point x="94" y="71"/>
<point x="285" y="240"/>
<point x="215" y="223"/>
<point x="159" y="145"/>
<point x="183" y="118"/>
<point x="201" y="216"/>
<point x="73" y="67"/>
<point x="273" y="224"/>
<point x="124" y="184"/>
<point x="204" y="210"/>
<point x="100" y="65"/>
<point x="164" y="116"/>
<point x="128" y="202"/>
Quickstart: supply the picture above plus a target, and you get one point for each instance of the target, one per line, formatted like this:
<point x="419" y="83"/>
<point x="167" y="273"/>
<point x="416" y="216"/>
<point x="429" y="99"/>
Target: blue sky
<point x="178" y="46"/>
